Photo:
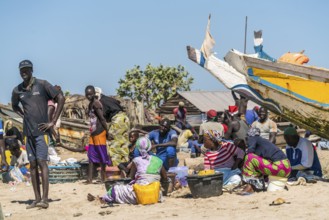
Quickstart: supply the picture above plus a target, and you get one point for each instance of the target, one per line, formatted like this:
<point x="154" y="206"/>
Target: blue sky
<point x="80" y="42"/>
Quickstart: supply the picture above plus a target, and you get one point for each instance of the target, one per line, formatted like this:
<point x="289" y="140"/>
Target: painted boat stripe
<point x="252" y="92"/>
<point x="284" y="90"/>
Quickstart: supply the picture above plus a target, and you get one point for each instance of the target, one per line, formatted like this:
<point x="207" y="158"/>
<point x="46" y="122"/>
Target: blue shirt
<point x="192" y="143"/>
<point x="251" y="116"/>
<point x="159" y="139"/>
<point x="305" y="155"/>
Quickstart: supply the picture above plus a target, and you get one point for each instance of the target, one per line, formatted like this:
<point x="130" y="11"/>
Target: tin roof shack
<point x="6" y="113"/>
<point x="198" y="103"/>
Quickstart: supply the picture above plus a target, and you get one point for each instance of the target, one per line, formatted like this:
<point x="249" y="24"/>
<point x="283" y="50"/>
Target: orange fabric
<point x="294" y="58"/>
<point x="98" y="140"/>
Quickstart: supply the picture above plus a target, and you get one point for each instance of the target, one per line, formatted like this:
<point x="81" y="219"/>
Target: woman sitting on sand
<point x="145" y="169"/>
<point x="223" y="157"/>
<point x="263" y="158"/>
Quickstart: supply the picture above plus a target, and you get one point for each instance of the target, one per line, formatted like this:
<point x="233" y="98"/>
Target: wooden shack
<point x="197" y="103"/>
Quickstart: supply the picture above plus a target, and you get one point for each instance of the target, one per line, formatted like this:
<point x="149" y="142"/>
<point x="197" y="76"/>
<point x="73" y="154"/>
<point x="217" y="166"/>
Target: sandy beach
<point x="69" y="201"/>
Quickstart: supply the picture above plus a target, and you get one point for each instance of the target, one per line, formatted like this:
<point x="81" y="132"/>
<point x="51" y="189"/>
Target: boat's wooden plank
<point x="308" y="72"/>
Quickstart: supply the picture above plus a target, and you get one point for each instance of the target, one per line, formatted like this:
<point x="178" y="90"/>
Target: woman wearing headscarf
<point x="263" y="158"/>
<point x="145" y="169"/>
<point x="223" y="157"/>
<point x="11" y="130"/>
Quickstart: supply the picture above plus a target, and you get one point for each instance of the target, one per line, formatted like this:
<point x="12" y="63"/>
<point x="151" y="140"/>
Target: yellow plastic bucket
<point x="276" y="183"/>
<point x="147" y="194"/>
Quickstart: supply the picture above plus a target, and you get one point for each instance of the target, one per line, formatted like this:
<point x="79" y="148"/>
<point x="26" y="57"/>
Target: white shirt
<point x="306" y="147"/>
<point x="21" y="160"/>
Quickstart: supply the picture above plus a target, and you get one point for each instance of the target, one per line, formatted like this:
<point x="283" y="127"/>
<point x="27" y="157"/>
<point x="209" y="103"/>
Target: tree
<point x="154" y="85"/>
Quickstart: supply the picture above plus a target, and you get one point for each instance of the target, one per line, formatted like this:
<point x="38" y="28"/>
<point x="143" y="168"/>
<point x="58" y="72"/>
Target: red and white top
<point x="223" y="157"/>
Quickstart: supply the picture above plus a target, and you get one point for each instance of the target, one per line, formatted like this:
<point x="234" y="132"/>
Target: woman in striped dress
<point x="223" y="157"/>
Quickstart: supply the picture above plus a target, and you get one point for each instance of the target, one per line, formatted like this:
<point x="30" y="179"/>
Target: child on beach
<point x="133" y="152"/>
<point x="19" y="158"/>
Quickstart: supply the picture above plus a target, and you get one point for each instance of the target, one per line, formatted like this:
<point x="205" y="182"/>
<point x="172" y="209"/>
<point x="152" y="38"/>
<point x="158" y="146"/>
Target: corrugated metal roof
<point x="12" y="115"/>
<point x="217" y="100"/>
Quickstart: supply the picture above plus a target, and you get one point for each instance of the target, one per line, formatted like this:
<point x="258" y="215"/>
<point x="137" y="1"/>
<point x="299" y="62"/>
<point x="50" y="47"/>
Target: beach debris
<point x="279" y="201"/>
<point x="300" y="181"/>
<point x="102" y="213"/>
<point x="8" y="214"/>
<point x="77" y="214"/>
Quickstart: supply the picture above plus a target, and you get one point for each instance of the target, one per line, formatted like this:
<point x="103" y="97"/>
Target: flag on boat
<point x="208" y="42"/>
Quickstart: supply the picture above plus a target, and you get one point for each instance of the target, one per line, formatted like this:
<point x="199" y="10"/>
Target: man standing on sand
<point x="267" y="127"/>
<point x="33" y="94"/>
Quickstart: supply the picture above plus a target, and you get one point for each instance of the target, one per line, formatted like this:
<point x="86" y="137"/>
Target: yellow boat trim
<point x="310" y="89"/>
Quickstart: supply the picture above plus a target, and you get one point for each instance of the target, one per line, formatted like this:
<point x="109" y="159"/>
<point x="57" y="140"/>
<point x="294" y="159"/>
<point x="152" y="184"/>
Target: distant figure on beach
<point x="33" y="95"/>
<point x="119" y="126"/>
<point x="54" y="133"/>
<point x="3" y="165"/>
<point x="211" y="124"/>
<point x="268" y="128"/>
<point x="164" y="140"/>
<point x="180" y="116"/>
<point x="11" y="130"/>
<point x="301" y="154"/>
<point x="241" y="103"/>
<point x="237" y="128"/>
<point x="97" y="152"/>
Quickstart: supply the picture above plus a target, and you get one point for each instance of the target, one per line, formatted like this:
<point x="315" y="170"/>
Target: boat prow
<point x="231" y="78"/>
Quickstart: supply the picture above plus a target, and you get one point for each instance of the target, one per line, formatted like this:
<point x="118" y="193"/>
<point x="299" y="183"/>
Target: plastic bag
<point x="16" y="174"/>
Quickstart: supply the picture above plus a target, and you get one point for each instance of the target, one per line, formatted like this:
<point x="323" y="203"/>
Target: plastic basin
<point x="205" y="186"/>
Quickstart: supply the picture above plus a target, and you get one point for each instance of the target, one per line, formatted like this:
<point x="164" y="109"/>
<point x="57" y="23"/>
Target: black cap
<point x="25" y="63"/>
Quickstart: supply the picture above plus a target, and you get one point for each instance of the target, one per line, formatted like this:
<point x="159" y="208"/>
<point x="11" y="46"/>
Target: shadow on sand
<point x="28" y="202"/>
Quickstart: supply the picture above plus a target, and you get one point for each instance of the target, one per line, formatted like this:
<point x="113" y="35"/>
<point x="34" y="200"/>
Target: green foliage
<point x="154" y="85"/>
<point x="67" y="93"/>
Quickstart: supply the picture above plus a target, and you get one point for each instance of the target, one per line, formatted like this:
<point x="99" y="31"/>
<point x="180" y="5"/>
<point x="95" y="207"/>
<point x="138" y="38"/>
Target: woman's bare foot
<point x="247" y="190"/>
<point x="101" y="201"/>
<point x="90" y="197"/>
<point x="98" y="199"/>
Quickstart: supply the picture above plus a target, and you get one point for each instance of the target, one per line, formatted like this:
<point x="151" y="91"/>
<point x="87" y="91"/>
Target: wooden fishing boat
<point x="296" y="92"/>
<point x="299" y="91"/>
<point x="72" y="130"/>
<point x="74" y="120"/>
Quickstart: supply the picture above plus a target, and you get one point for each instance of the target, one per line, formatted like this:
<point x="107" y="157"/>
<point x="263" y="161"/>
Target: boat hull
<point x="302" y="101"/>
